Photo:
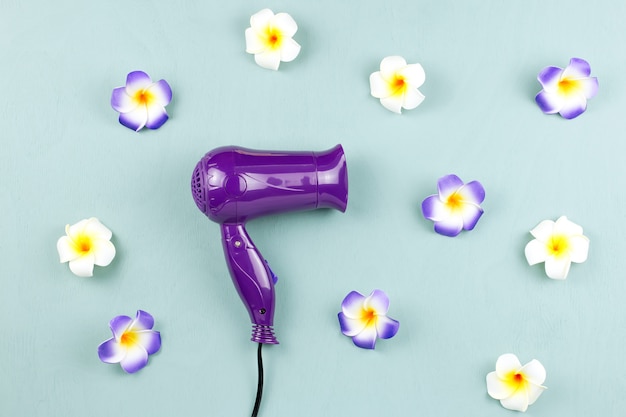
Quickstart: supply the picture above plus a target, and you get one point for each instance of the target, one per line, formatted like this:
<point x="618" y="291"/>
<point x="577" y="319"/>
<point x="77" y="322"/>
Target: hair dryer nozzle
<point x="332" y="179"/>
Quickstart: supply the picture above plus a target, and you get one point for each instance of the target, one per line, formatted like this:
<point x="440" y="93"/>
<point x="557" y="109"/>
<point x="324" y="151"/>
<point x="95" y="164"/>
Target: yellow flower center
<point x="558" y="245"/>
<point x="274" y="38"/>
<point x="398" y="85"/>
<point x="368" y="316"/>
<point x="455" y="201"/>
<point x="515" y="380"/>
<point x="129" y="338"/>
<point x="144" y="97"/>
<point x="568" y="86"/>
<point x="83" y="244"/>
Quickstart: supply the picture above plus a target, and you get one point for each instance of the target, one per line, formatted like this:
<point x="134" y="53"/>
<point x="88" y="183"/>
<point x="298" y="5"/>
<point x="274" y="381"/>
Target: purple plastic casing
<point x="232" y="185"/>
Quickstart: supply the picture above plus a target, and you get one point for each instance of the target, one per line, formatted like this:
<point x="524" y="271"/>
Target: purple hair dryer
<point x="232" y="185"/>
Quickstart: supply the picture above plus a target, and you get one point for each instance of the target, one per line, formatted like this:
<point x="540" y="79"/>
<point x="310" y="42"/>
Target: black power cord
<point x="259" y="388"/>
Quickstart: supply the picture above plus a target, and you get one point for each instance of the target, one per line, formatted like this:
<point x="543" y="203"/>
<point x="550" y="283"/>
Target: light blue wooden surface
<point x="461" y="302"/>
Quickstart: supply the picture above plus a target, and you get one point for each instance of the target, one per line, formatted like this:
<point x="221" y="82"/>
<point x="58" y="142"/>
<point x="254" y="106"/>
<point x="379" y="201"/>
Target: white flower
<point x="558" y="244"/>
<point x="396" y="84"/>
<point x="87" y="243"/>
<point x="516" y="386"/>
<point x="269" y="38"/>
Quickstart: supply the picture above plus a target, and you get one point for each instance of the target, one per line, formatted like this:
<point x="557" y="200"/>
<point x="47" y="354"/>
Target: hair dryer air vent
<point x="197" y="187"/>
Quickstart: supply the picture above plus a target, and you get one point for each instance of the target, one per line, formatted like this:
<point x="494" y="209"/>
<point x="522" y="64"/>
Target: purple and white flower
<point x="133" y="340"/>
<point x="141" y="103"/>
<point x="455" y="207"/>
<point x="566" y="91"/>
<point x="364" y="319"/>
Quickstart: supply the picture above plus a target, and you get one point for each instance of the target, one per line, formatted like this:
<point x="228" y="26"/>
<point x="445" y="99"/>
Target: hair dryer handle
<point x="253" y="279"/>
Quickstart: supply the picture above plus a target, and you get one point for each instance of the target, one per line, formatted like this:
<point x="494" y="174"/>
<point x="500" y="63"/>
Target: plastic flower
<point x="516" y="386"/>
<point x="86" y="243"/>
<point x="142" y="102"/>
<point x="396" y="84"/>
<point x="566" y="91"/>
<point x="269" y="38"/>
<point x="132" y="342"/>
<point x="456" y="207"/>
<point x="558" y="244"/>
<point x="364" y="318"/>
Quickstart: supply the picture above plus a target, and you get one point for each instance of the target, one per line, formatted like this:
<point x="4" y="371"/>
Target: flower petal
<point x="103" y="252"/>
<point x="390" y="65"/>
<point x="506" y="364"/>
<point x="543" y="230"/>
<point x="534" y="391"/>
<point x="135" y="359"/>
<point x="83" y="265"/>
<point x="95" y="229"/>
<point x="254" y="42"/>
<point x="136" y="81"/>
<point x="558" y="268"/>
<point x="386" y="327"/>
<point x="156" y="116"/>
<point x="497" y="388"/>
<point x="535" y="252"/>
<point x="350" y="327"/>
<point x="121" y="101"/>
<point x="150" y="340"/>
<point x="119" y="325"/>
<point x="451" y="226"/>
<point x="135" y="119"/>
<point x="379" y="88"/>
<point x="285" y="23"/>
<point x="433" y="209"/>
<point x="76" y="229"/>
<point x="289" y="50"/>
<point x="393" y="103"/>
<point x="534" y="372"/>
<point x="517" y="401"/>
<point x="549" y="78"/>
<point x="563" y="226"/>
<point x="472" y="192"/>
<point x="352" y="305"/>
<point x="589" y="87"/>
<point x="378" y="301"/>
<point x="161" y="91"/>
<point x="412" y="98"/>
<point x="447" y="185"/>
<point x="579" y="248"/>
<point x="66" y="250"/>
<point x="549" y="102"/>
<point x="366" y="339"/>
<point x="110" y="351"/>
<point x="143" y="321"/>
<point x="577" y="69"/>
<point x="261" y="19"/>
<point x="574" y="106"/>
<point x="413" y="74"/>
<point x="268" y="59"/>
<point x="471" y="213"/>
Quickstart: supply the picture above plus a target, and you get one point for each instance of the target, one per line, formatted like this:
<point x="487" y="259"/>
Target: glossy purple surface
<point x="232" y="185"/>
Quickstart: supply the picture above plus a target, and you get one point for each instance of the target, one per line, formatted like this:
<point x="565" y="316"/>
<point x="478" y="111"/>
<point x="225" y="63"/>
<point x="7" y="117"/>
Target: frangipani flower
<point x="87" y="243"/>
<point x="269" y="38"/>
<point x="566" y="91"/>
<point x="558" y="244"/>
<point x="516" y="386"/>
<point x="396" y="84"/>
<point x="364" y="318"/>
<point x="132" y="342"/>
<point x="142" y="102"/>
<point x="455" y="207"/>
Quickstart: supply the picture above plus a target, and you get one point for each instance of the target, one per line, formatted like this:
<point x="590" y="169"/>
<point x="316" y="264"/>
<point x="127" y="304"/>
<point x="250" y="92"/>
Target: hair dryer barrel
<point x="232" y="184"/>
